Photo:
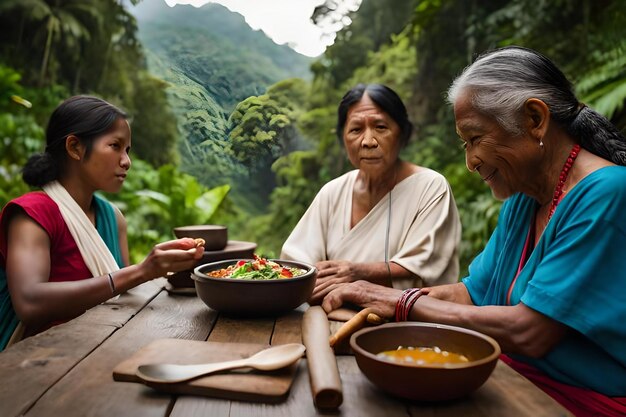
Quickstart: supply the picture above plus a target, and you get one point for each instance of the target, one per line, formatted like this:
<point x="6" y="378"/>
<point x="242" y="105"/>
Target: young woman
<point x="63" y="250"/>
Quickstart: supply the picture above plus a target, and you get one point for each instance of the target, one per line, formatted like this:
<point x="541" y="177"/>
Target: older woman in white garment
<point x="388" y="221"/>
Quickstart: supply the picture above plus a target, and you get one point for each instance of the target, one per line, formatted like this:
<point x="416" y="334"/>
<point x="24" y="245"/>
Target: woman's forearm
<point x="518" y="329"/>
<point x="50" y="301"/>
<point x="456" y="293"/>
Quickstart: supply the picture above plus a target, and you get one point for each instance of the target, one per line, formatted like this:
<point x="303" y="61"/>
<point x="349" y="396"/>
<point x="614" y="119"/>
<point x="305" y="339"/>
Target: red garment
<point x="581" y="402"/>
<point x="66" y="262"/>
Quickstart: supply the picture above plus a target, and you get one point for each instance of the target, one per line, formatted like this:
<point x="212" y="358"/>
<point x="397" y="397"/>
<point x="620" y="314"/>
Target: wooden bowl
<point x="215" y="236"/>
<point x="434" y="382"/>
<point x="254" y="298"/>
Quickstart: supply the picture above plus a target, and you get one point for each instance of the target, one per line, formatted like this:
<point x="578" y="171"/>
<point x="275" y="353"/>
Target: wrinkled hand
<point x="382" y="300"/>
<point x="171" y="256"/>
<point x="330" y="275"/>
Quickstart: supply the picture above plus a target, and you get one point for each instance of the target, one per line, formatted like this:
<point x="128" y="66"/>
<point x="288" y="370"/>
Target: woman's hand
<point x="171" y="256"/>
<point x="382" y="300"/>
<point x="330" y="275"/>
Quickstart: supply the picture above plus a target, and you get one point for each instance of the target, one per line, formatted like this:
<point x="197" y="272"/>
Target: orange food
<point x="422" y="356"/>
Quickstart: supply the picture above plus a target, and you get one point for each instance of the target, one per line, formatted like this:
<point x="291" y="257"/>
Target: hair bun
<point x="39" y="170"/>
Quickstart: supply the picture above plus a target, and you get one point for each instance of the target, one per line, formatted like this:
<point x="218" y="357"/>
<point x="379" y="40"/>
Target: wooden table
<point x="67" y="370"/>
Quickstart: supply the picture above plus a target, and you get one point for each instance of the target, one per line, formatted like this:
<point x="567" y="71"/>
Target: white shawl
<point x="94" y="251"/>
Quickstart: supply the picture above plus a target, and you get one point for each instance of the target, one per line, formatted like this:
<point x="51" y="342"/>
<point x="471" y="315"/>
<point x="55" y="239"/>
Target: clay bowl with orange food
<point x="425" y="361"/>
<point x="255" y="287"/>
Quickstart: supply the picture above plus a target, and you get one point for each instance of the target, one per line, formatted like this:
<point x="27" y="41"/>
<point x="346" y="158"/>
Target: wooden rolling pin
<point x="323" y="372"/>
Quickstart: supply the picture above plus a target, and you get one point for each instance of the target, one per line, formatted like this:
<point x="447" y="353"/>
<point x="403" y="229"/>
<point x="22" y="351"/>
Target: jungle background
<point x="230" y="128"/>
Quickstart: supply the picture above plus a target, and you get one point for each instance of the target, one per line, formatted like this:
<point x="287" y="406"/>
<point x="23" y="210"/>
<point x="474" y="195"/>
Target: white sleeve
<point x="430" y="248"/>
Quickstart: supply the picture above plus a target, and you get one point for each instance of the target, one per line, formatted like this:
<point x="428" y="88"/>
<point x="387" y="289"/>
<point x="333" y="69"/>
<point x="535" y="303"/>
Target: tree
<point x="369" y="28"/>
<point x="20" y="134"/>
<point x="70" y="21"/>
<point x="261" y="127"/>
<point x="257" y="124"/>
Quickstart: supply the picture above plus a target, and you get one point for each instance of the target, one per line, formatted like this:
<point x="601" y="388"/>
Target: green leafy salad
<point x="257" y="269"/>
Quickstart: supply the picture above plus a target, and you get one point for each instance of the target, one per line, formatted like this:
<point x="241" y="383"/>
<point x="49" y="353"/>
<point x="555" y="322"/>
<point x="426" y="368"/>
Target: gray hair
<point x="499" y="82"/>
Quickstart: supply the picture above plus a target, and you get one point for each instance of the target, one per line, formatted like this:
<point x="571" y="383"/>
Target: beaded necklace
<point x="558" y="191"/>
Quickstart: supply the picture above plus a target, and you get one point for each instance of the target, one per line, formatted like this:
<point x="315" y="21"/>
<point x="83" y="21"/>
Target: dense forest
<point x="249" y="141"/>
<point x="213" y="61"/>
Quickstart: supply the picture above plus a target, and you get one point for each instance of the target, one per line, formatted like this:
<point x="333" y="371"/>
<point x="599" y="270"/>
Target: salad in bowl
<point x="257" y="269"/>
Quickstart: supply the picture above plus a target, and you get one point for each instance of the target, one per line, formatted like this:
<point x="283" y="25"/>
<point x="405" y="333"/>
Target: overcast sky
<point x="285" y="21"/>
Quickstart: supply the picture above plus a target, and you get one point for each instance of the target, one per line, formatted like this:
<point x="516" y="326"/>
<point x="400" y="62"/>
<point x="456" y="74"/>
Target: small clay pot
<point x="215" y="236"/>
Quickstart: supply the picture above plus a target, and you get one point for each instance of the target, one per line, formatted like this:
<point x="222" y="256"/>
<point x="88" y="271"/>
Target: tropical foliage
<point x="20" y="134"/>
<point x="179" y="201"/>
<point x="50" y="50"/>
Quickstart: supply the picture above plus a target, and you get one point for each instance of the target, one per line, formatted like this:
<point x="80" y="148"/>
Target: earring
<point x="541" y="144"/>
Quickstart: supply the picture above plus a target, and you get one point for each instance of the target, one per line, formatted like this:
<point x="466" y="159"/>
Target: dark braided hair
<point x="499" y="83"/>
<point x="598" y="135"/>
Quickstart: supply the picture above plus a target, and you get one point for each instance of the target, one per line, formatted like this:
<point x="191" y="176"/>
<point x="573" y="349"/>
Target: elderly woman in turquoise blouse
<point x="550" y="285"/>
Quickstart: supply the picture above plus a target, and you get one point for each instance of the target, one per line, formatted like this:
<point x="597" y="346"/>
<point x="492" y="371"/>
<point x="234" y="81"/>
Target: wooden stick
<point x="355" y="323"/>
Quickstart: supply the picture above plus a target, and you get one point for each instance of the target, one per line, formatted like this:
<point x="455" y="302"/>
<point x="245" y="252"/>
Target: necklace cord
<point x="395" y="175"/>
<point x="387" y="234"/>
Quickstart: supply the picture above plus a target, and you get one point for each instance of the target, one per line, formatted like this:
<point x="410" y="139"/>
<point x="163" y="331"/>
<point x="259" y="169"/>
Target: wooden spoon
<point x="269" y="359"/>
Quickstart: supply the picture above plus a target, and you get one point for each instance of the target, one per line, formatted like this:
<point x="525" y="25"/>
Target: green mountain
<point x="212" y="60"/>
<point x="217" y="49"/>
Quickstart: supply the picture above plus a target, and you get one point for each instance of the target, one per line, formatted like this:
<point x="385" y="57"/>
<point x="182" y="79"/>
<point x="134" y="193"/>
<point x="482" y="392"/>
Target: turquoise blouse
<point x="106" y="225"/>
<point x="576" y="275"/>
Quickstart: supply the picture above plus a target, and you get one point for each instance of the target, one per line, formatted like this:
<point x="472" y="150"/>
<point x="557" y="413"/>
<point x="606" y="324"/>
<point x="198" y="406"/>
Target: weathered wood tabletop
<point x="67" y="370"/>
